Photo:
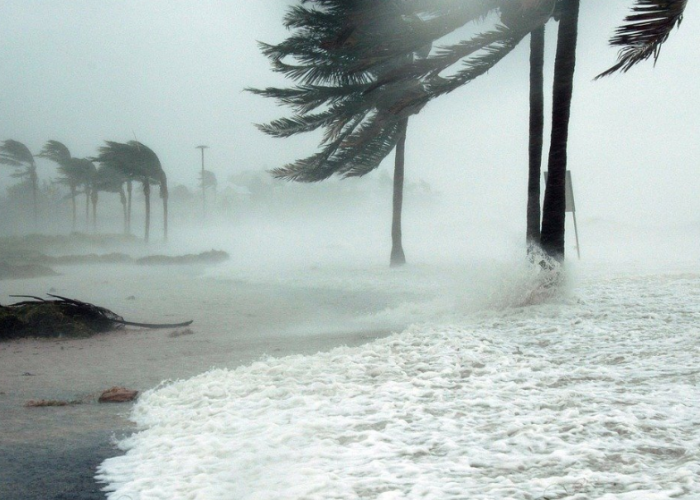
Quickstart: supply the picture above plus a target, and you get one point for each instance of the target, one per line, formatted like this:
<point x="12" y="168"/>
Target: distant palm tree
<point x="138" y="162"/>
<point x="86" y="171"/>
<point x="75" y="172"/>
<point x="16" y="154"/>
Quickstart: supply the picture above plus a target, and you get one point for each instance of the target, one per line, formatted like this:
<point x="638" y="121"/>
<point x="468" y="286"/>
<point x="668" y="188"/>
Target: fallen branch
<point x="63" y="316"/>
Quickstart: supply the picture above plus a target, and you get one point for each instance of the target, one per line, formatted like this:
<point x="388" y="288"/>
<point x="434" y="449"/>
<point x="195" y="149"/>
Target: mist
<point x="305" y="291"/>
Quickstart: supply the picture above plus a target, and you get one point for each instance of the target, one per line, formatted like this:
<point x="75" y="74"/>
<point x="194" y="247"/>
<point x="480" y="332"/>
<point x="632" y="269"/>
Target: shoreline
<point x="50" y="453"/>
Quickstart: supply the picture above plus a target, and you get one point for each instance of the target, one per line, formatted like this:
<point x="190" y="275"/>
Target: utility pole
<point x="204" y="199"/>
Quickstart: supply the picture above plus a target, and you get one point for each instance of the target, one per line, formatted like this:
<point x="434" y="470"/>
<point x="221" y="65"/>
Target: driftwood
<point x="62" y="316"/>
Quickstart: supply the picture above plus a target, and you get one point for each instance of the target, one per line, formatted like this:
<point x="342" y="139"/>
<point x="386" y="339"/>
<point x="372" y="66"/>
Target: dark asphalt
<point x="58" y="469"/>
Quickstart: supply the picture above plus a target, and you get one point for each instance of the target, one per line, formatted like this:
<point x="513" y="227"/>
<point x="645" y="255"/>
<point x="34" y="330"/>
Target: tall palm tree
<point x="357" y="138"/>
<point x="554" y="207"/>
<point x="536" y="133"/>
<point x="355" y="62"/>
<point x="511" y="14"/>
<point x="16" y="154"/>
<point x="138" y="162"/>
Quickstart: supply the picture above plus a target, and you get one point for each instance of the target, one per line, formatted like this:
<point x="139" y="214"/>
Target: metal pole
<point x="578" y="248"/>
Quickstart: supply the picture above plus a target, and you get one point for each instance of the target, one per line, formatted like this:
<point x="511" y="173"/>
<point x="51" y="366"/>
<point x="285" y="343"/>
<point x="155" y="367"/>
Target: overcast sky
<point x="171" y="74"/>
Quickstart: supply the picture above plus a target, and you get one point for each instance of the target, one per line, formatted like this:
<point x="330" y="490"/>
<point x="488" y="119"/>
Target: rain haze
<point x="306" y="266"/>
<point x="172" y="75"/>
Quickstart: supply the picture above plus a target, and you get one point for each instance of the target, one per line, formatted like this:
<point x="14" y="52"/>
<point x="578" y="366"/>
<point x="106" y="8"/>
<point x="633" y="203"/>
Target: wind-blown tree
<point x="640" y="38"/>
<point x="511" y="14"/>
<point x="138" y="162"/>
<point x="554" y="206"/>
<point x="110" y="180"/>
<point x="363" y="89"/>
<point x="15" y="154"/>
<point x="360" y="81"/>
<point x="355" y="97"/>
<point x="75" y="173"/>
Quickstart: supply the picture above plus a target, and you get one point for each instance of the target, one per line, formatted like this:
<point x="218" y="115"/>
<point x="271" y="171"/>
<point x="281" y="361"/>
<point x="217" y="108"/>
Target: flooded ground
<point x="51" y="453"/>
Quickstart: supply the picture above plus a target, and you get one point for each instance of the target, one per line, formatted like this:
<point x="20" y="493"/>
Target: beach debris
<point x="63" y="316"/>
<point x="39" y="403"/>
<point x="117" y="395"/>
<point x="179" y="333"/>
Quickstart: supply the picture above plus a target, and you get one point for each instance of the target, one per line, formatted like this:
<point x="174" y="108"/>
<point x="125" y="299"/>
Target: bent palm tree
<point x="15" y="154"/>
<point x="138" y="162"/>
<point x="75" y="172"/>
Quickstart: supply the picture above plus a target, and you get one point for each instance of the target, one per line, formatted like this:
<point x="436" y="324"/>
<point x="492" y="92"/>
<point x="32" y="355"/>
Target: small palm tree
<point x="75" y="172"/>
<point x="15" y="154"/>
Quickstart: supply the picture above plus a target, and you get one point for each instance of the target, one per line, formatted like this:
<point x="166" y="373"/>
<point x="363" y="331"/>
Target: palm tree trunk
<point x="554" y="209"/>
<point x="94" y="195"/>
<point x="73" y="195"/>
<point x="35" y="189"/>
<point x="536" y="132"/>
<point x="122" y="198"/>
<point x="87" y="209"/>
<point x="165" y="216"/>
<point x="129" y="189"/>
<point x="147" y="194"/>
<point x="397" y="255"/>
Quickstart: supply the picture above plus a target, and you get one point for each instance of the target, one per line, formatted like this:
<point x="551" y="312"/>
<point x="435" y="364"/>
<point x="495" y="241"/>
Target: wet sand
<point x="52" y="452"/>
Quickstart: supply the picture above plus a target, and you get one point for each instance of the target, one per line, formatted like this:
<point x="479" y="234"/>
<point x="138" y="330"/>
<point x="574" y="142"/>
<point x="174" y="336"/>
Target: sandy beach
<point x="51" y="453"/>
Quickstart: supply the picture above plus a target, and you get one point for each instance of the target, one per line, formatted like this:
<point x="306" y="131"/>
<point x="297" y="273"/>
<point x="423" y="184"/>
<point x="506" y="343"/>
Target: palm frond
<point x="56" y="152"/>
<point x="15" y="154"/>
<point x="645" y="32"/>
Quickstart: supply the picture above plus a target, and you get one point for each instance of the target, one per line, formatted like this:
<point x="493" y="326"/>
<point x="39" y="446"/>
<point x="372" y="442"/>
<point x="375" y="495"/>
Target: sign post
<point x="570" y="206"/>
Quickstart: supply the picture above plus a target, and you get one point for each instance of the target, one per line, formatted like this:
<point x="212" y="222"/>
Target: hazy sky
<point x="171" y="74"/>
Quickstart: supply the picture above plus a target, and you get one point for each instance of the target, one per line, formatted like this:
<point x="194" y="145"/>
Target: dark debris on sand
<point x="62" y="316"/>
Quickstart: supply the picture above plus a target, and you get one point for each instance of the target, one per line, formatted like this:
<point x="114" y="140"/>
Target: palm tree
<point x="138" y="162"/>
<point x="532" y="233"/>
<point x="355" y="62"/>
<point x="86" y="172"/>
<point x="75" y="172"/>
<point x="331" y="74"/>
<point x="554" y="207"/>
<point x="16" y="154"/>
<point x="512" y="14"/>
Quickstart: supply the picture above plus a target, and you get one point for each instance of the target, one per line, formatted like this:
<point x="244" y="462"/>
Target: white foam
<point x="591" y="396"/>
